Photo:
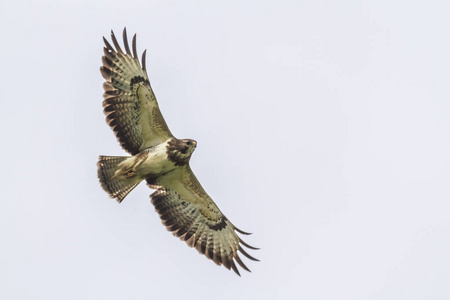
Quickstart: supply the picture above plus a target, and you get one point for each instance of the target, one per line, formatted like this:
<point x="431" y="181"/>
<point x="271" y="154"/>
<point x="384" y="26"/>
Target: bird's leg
<point x="131" y="170"/>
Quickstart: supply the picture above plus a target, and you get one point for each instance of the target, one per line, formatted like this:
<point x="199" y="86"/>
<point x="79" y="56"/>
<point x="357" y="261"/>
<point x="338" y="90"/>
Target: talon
<point x="129" y="173"/>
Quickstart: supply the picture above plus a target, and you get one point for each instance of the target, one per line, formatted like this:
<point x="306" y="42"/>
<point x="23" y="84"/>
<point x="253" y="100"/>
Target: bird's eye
<point x="189" y="143"/>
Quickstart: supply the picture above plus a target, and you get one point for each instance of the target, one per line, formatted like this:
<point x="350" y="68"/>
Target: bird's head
<point x="188" y="146"/>
<point x="180" y="151"/>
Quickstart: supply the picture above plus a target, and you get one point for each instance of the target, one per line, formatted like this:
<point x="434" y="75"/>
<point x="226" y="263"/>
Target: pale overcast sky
<point x="322" y="127"/>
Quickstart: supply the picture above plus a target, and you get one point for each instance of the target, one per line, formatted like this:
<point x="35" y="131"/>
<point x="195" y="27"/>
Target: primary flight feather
<point x="162" y="160"/>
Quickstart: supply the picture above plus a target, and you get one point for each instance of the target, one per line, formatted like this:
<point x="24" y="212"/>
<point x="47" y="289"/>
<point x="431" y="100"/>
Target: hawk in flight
<point x="162" y="160"/>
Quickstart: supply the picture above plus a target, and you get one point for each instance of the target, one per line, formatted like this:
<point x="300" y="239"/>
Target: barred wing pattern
<point x="190" y="214"/>
<point x="129" y="104"/>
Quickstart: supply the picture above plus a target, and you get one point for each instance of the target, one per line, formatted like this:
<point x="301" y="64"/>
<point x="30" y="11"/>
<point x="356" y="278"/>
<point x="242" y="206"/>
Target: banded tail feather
<point x="117" y="186"/>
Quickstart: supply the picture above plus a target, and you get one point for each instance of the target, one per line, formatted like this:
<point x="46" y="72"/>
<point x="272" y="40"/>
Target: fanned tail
<point x="118" y="187"/>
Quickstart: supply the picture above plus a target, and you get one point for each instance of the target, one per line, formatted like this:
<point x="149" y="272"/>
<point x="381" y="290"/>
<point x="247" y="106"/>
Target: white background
<point x="322" y="127"/>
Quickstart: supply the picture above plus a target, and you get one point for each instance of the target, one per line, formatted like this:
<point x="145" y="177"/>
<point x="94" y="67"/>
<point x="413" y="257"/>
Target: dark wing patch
<point x="190" y="214"/>
<point x="129" y="104"/>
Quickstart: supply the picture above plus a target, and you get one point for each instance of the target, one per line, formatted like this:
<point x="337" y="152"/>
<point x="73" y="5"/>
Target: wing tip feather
<point x="241" y="231"/>
<point x="125" y="41"/>
<point x="144" y="67"/>
<point x="247" y="245"/>
<point x="135" y="55"/>
<point x="239" y="261"/>
<point x="235" y="269"/>
<point x="116" y="43"/>
<point x="246" y="254"/>
<point x="107" y="44"/>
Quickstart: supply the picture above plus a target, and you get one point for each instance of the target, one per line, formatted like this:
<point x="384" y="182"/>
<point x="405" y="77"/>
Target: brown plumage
<point x="162" y="160"/>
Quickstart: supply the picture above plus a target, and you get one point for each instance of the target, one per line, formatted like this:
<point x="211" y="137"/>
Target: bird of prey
<point x="162" y="160"/>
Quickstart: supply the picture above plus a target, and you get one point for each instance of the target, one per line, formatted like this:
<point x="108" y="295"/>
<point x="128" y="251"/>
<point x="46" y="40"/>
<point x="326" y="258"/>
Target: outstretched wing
<point x="129" y="104"/>
<point x="190" y="214"/>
